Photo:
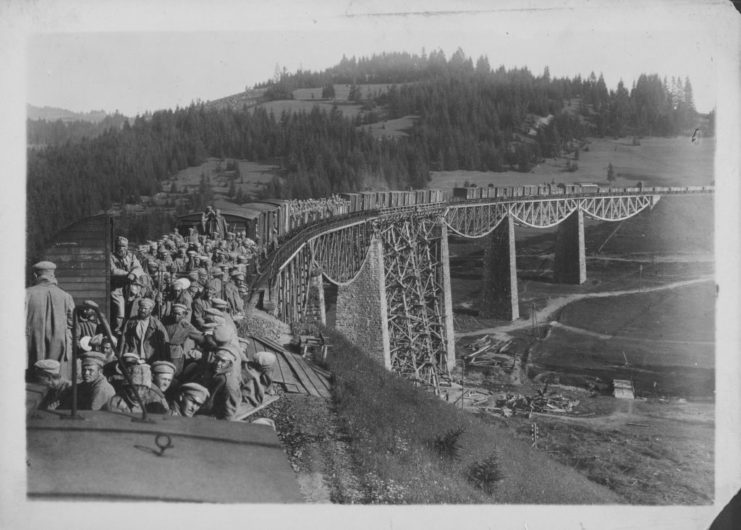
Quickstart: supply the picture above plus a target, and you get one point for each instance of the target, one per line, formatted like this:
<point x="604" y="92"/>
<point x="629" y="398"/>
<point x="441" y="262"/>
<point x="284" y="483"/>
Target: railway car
<point x="274" y="218"/>
<point x="437" y="195"/>
<point x="234" y="215"/>
<point x="586" y="187"/>
<point x="353" y="199"/>
<point x="464" y="193"/>
<point x="81" y="253"/>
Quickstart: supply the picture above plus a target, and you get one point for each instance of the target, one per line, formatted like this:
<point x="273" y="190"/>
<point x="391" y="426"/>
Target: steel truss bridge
<point x="407" y="249"/>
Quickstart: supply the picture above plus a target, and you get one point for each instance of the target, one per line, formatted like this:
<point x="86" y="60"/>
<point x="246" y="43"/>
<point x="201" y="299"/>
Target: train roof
<point x="262" y="206"/>
<point x="107" y="456"/>
<point x="274" y="202"/>
<point x="230" y="211"/>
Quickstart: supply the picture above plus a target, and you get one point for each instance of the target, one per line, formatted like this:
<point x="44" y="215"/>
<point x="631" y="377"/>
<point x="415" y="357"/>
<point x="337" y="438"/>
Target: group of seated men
<point x="218" y="379"/>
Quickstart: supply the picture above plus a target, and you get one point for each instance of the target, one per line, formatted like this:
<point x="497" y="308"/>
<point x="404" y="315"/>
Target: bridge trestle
<point x="417" y="285"/>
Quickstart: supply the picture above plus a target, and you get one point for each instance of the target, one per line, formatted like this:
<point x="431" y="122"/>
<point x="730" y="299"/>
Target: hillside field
<point x="293" y="105"/>
<point x="254" y="176"/>
<point x="342" y="91"/>
<point x="656" y="162"/>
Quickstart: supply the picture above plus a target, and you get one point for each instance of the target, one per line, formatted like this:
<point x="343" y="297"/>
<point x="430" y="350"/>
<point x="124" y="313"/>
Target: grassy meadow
<point x="656" y="162"/>
<point x="254" y="176"/>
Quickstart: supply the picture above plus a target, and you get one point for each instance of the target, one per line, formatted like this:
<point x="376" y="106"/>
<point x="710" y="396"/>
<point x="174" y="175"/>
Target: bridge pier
<point x="362" y="313"/>
<point x="570" y="265"/>
<point x="447" y="295"/>
<point x="500" y="298"/>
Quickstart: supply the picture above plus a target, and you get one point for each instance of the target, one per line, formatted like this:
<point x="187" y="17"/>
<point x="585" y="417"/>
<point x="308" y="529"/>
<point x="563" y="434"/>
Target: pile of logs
<point x="488" y="351"/>
<point x="542" y="402"/>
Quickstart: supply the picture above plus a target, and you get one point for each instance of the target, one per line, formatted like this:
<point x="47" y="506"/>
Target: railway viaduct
<point x="391" y="267"/>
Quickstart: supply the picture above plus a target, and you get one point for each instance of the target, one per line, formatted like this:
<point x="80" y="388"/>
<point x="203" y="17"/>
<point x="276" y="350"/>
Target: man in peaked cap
<point x="46" y="372"/>
<point x="125" y="268"/>
<point x="163" y="373"/>
<point x="140" y="392"/>
<point x="232" y="294"/>
<point x="223" y="383"/>
<point x="217" y="275"/>
<point x="94" y="391"/>
<point x="181" y="332"/>
<point x="257" y="376"/>
<point x="146" y="335"/>
<point x="202" y="276"/>
<point x="180" y="260"/>
<point x="201" y="303"/>
<point x="49" y="319"/>
<point x="85" y="324"/>
<point x="223" y="307"/>
<point x="190" y="398"/>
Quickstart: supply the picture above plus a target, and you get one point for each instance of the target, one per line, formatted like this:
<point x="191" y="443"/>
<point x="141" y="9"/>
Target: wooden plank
<point x="321" y="374"/>
<point x="292" y="374"/>
<point x="302" y="376"/>
<point x="290" y="383"/>
<point x="321" y="384"/>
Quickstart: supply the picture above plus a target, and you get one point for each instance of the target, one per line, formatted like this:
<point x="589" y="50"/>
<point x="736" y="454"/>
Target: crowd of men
<point x="171" y="344"/>
<point x="305" y="211"/>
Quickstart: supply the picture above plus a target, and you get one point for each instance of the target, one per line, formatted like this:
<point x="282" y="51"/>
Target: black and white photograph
<point x="366" y="264"/>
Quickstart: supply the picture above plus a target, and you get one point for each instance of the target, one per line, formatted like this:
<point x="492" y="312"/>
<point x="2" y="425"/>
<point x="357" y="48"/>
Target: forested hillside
<point x="468" y="117"/>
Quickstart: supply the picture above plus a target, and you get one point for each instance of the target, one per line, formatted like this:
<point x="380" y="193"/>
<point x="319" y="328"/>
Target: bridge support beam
<point x="315" y="309"/>
<point x="570" y="265"/>
<point x="447" y="296"/>
<point x="362" y="313"/>
<point x="500" y="299"/>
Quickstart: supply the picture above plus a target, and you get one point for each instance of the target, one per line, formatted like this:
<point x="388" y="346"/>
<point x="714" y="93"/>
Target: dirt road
<point x="554" y="304"/>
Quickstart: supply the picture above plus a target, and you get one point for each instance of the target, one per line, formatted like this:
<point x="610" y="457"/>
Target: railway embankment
<point x="381" y="439"/>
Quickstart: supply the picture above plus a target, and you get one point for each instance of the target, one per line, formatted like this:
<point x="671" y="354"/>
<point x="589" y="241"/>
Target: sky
<point x="135" y="67"/>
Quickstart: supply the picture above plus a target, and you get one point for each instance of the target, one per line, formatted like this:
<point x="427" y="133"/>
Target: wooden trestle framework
<point x="413" y="267"/>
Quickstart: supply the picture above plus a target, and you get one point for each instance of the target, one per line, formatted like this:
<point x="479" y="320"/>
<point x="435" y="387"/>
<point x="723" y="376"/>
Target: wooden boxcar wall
<point x="81" y="252"/>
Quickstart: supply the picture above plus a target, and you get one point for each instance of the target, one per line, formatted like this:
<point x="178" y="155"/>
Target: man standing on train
<point x="49" y="319"/>
<point x="125" y="268"/>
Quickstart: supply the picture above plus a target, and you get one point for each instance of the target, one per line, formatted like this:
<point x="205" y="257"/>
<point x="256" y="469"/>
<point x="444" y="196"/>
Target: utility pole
<point x="533" y="319"/>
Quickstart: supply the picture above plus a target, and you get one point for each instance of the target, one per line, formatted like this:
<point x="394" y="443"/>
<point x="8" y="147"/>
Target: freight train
<point x="275" y="220"/>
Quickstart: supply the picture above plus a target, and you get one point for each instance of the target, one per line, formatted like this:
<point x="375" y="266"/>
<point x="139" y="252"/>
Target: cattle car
<point x="464" y="193"/>
<point x="437" y="195"/>
<point x="586" y="187"/>
<point x="353" y="199"/>
<point x="273" y="219"/>
<point x="81" y="253"/>
<point x="233" y="214"/>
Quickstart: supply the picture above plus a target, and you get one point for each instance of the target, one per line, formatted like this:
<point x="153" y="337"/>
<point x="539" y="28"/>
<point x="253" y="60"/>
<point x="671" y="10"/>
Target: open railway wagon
<point x="372" y="200"/>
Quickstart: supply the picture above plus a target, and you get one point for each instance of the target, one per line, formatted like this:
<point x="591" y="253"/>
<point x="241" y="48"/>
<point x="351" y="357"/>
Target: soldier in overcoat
<point x="49" y="319"/>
